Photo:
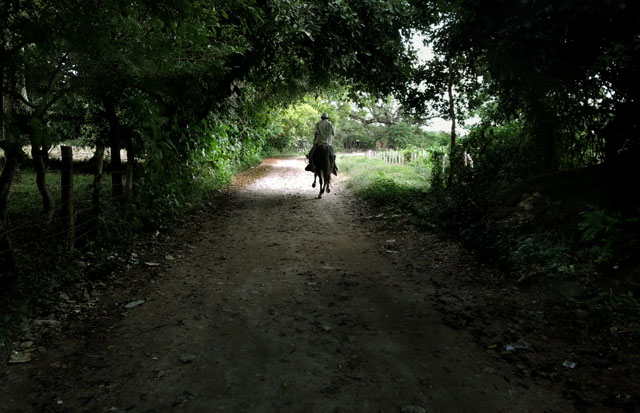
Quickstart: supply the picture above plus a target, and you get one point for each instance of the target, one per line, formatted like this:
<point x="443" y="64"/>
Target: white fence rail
<point x="397" y="157"/>
<point x="400" y="157"/>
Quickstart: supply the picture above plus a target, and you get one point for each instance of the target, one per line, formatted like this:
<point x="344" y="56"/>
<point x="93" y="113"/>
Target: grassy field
<point x="381" y="182"/>
<point x="398" y="190"/>
<point x="25" y="202"/>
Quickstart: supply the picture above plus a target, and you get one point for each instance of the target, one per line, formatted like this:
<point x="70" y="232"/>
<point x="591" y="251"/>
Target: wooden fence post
<point x="66" y="202"/>
<point x="38" y="153"/>
<point x="97" y="179"/>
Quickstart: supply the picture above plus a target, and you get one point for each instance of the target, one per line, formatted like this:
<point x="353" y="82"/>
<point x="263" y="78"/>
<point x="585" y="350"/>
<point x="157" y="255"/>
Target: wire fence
<point x="80" y="153"/>
<point x="29" y="228"/>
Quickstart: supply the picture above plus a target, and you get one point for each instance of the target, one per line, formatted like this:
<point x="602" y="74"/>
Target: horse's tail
<point x="323" y="161"/>
<point x="327" y="163"/>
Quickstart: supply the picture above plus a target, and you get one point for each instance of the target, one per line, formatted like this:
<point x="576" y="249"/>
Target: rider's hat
<point x="324" y="115"/>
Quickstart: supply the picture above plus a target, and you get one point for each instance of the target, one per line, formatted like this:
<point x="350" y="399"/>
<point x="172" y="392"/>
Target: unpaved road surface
<point x="274" y="301"/>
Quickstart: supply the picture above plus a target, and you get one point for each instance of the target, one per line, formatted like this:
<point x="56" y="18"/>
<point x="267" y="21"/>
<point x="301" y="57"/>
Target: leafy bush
<point x="400" y="190"/>
<point x="608" y="234"/>
<point x="609" y="308"/>
<point x="501" y="153"/>
<point x="541" y="254"/>
<point x="385" y="190"/>
<point x="363" y="172"/>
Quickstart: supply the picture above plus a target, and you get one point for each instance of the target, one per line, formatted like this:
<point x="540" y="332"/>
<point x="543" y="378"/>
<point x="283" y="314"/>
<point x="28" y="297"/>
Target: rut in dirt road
<point x="282" y="302"/>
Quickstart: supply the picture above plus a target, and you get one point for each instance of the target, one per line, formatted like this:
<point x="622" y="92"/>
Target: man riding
<point x="323" y="134"/>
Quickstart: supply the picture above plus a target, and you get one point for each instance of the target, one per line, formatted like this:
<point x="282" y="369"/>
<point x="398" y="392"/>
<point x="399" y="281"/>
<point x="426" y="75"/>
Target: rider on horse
<point x="323" y="134"/>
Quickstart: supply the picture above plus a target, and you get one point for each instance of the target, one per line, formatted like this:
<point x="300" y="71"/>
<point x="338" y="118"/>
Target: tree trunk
<point x="452" y="115"/>
<point x="38" y="155"/>
<point x="545" y="121"/>
<point x="38" y="151"/>
<point x="7" y="258"/>
<point x="114" y="144"/>
<point x="128" y="186"/>
<point x="550" y="163"/>
<point x="7" y="261"/>
<point x="12" y="161"/>
<point x="66" y="184"/>
<point x="97" y="179"/>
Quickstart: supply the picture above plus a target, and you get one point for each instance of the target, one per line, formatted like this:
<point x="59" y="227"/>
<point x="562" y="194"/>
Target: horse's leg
<point x="321" y="187"/>
<point x="327" y="174"/>
<point x="315" y="175"/>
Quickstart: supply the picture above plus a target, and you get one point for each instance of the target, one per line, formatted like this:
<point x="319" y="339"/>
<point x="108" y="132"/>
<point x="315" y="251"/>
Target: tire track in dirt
<point x="279" y="302"/>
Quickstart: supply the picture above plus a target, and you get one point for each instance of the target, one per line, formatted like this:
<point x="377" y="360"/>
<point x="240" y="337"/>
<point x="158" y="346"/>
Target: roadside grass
<point x="39" y="246"/>
<point x="402" y="193"/>
<point x="399" y="190"/>
<point x="25" y="203"/>
<point x="46" y="267"/>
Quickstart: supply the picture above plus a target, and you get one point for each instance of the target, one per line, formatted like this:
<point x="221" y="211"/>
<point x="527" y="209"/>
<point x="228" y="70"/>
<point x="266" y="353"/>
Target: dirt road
<point x="275" y="301"/>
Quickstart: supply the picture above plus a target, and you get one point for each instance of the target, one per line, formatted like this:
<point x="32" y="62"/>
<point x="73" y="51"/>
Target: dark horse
<point x="323" y="161"/>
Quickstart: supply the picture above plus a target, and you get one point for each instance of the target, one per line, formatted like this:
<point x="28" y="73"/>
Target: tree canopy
<point x="191" y="87"/>
<point x="566" y="68"/>
<point x="174" y="63"/>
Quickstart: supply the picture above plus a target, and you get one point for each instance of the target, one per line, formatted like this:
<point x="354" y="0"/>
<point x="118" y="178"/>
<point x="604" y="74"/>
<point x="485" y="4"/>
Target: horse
<point x="323" y="161"/>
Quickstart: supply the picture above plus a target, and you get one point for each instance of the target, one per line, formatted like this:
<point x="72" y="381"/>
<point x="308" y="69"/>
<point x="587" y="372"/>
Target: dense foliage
<point x="165" y="80"/>
<point x="189" y="90"/>
<point x="566" y="69"/>
<point x="552" y="83"/>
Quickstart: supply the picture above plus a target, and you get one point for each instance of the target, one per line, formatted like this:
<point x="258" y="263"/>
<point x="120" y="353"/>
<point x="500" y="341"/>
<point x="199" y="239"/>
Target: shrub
<point x="608" y="234"/>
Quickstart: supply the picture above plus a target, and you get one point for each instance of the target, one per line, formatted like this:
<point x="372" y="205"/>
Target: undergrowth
<point x="609" y="235"/>
<point x="601" y="238"/>
<point x="465" y="212"/>
<point x="395" y="188"/>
